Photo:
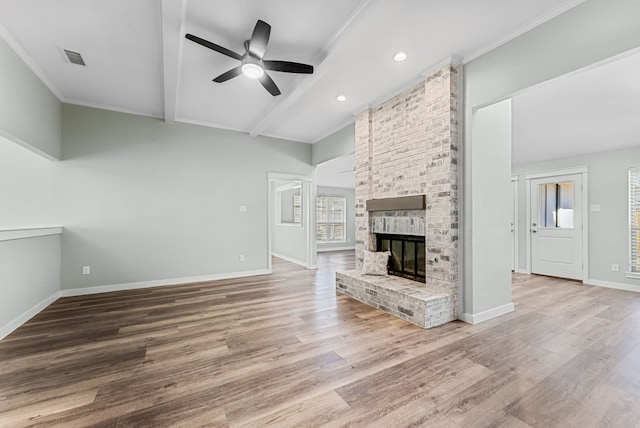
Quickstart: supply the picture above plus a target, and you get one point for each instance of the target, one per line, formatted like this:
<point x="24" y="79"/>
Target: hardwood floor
<point x="285" y="350"/>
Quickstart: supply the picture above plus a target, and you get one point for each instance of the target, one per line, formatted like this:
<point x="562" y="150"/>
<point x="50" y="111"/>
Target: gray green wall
<point x="145" y="201"/>
<point x="338" y="144"/>
<point x="608" y="230"/>
<point x="592" y="31"/>
<point x="29" y="267"/>
<point x="29" y="112"/>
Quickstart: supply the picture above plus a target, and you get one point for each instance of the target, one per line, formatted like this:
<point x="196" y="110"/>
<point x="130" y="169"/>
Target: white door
<point x="556" y="226"/>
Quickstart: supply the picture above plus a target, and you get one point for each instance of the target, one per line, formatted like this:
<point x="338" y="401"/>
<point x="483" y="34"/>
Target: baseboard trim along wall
<point x="159" y="283"/>
<point x="292" y="260"/>
<point x="18" y="321"/>
<point x="323" y="250"/>
<point x="6" y="330"/>
<point x="614" y="285"/>
<point x="486" y="315"/>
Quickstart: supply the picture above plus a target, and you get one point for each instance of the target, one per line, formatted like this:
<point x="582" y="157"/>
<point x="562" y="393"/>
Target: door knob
<point x="534" y="231"/>
<point x="533" y="224"/>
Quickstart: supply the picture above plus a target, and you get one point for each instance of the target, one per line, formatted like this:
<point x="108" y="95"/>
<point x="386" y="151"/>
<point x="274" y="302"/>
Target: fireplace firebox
<point x="407" y="255"/>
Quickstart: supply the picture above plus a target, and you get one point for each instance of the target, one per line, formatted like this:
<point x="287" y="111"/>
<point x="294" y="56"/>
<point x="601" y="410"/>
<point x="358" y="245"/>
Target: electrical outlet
<point x="241" y="257"/>
<point x="615" y="267"/>
<point x="86" y="270"/>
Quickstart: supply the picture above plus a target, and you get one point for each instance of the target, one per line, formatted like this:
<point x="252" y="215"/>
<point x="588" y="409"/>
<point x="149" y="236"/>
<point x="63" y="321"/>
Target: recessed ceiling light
<point x="340" y="98"/>
<point x="400" y="56"/>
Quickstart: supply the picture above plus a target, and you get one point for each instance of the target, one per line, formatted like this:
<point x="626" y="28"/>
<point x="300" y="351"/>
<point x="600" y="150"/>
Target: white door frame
<point x="309" y="219"/>
<point x="516" y="230"/>
<point x="584" y="170"/>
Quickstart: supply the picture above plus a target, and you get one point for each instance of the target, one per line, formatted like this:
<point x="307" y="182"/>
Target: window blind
<point x="634" y="218"/>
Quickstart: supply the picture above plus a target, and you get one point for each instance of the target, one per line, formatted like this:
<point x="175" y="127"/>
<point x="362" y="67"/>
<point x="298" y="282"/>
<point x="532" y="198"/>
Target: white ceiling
<point x="588" y="112"/>
<point x="339" y="172"/>
<point x="138" y="60"/>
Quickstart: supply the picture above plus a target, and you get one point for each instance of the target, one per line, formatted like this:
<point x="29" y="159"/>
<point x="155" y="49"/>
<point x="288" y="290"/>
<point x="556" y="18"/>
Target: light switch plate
<point x="596" y="208"/>
<point x="243" y="208"/>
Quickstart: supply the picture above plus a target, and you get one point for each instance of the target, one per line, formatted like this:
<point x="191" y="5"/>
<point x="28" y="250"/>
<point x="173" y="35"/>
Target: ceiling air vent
<point x="74" y="57"/>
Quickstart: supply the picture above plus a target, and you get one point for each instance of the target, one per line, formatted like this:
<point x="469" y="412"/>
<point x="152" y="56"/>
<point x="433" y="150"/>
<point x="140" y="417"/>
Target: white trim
<point x="632" y="275"/>
<point x="327" y="249"/>
<point x="515" y="181"/>
<point x="333" y="130"/>
<point x="9" y="136"/>
<point x="523" y="29"/>
<point x="11" y="234"/>
<point x="27" y="315"/>
<point x="581" y="169"/>
<point x="614" y="285"/>
<point x="523" y="271"/>
<point x="487" y="315"/>
<point x="22" y="54"/>
<point x="290" y="259"/>
<point x="452" y="60"/>
<point x="107" y="107"/>
<point x="527" y="215"/>
<point x="159" y="283"/>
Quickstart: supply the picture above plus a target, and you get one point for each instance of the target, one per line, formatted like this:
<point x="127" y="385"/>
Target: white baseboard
<point x="323" y="250"/>
<point x="291" y="259"/>
<point x="159" y="283"/>
<point x="486" y="315"/>
<point x="615" y="285"/>
<point x="17" y="322"/>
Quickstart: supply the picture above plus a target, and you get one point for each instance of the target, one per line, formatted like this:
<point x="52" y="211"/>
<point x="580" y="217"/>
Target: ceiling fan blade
<point x="259" y="39"/>
<point x="269" y="85"/>
<point x="288" y="67"/>
<point x="213" y="46"/>
<point x="234" y="72"/>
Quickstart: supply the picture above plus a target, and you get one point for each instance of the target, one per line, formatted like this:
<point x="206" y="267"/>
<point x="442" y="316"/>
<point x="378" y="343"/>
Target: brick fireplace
<point x="408" y="147"/>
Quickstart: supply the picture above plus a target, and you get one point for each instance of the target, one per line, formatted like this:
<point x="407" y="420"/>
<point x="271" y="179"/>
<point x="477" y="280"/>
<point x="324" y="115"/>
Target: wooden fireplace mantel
<point x="417" y="202"/>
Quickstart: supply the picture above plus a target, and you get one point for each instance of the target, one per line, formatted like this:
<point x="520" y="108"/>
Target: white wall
<point x="29" y="112"/>
<point x="608" y="229"/>
<point x="290" y="241"/>
<point x="350" y="195"/>
<point x="592" y="31"/>
<point x="146" y="201"/>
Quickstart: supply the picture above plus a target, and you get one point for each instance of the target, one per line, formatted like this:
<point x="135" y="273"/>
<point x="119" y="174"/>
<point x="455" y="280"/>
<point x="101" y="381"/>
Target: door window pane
<point x="556" y="205"/>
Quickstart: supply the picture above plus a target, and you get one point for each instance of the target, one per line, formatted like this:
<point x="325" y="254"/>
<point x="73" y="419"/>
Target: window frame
<point x="343" y="223"/>
<point x="633" y="195"/>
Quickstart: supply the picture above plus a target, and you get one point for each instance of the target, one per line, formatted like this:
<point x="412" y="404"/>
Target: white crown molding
<point x="334" y="129"/>
<point x="570" y="4"/>
<point x="22" y="54"/>
<point x="453" y="60"/>
<point x="209" y="125"/>
<point x="110" y="108"/>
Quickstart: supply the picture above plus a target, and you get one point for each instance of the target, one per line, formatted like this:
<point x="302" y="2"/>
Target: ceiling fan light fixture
<point x="252" y="71"/>
<point x="400" y="56"/>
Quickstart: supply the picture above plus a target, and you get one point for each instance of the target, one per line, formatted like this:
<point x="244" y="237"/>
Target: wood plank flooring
<point x="285" y="350"/>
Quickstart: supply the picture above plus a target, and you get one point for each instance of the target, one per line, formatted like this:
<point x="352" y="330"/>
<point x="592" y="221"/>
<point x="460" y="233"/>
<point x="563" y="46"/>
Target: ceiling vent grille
<point x="74" y="57"/>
